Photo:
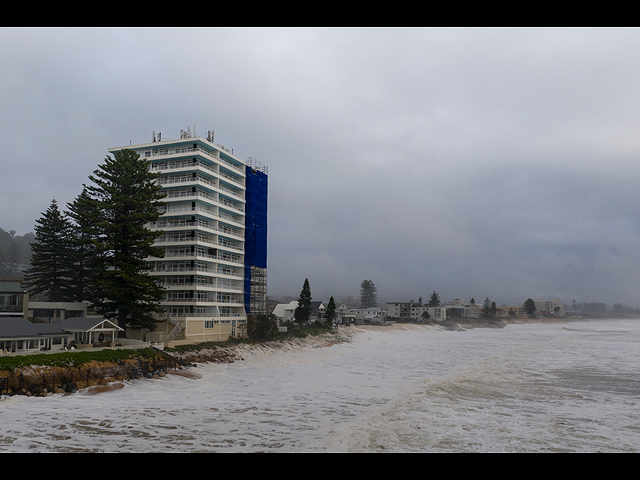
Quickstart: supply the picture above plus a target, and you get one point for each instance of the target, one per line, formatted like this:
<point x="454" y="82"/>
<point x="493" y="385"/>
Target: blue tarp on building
<point x="255" y="227"/>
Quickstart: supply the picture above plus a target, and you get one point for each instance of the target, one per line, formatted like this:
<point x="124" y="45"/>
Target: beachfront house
<point x="318" y="311"/>
<point x="344" y="315"/>
<point x="91" y="330"/>
<point x="19" y="336"/>
<point x="285" y="311"/>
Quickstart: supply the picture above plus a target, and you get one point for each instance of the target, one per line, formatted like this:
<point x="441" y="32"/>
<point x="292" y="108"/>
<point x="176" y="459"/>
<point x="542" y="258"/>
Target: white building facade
<point x="204" y="228"/>
<point x="415" y="311"/>
<point x="555" y="306"/>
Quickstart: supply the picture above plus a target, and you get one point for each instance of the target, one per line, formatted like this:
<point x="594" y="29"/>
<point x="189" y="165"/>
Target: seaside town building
<point x="555" y="306"/>
<point x="415" y="311"/>
<point x="214" y="237"/>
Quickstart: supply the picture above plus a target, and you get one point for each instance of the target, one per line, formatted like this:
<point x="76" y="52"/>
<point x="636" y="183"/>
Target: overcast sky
<point x="500" y="163"/>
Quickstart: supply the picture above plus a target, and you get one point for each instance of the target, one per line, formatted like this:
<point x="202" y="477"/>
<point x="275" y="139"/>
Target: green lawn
<point x="73" y="359"/>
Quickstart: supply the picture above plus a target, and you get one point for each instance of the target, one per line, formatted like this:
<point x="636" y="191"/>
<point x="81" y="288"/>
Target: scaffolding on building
<point x="258" y="291"/>
<point x="256" y="165"/>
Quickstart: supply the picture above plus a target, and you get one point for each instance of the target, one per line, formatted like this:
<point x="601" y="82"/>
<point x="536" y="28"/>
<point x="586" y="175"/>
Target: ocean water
<point x="562" y="387"/>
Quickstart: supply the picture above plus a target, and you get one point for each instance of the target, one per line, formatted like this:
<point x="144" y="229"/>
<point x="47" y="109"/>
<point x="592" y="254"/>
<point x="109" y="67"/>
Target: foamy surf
<point x="525" y="388"/>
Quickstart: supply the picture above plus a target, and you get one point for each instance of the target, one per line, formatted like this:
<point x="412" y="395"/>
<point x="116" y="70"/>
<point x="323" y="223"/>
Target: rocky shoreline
<point x="38" y="380"/>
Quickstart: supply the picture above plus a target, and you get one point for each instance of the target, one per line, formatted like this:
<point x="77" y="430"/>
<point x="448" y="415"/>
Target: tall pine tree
<point x="302" y="313"/>
<point x="434" y="300"/>
<point x="330" y="313"/>
<point x="127" y="198"/>
<point x="85" y="213"/>
<point x="51" y="265"/>
<point x="486" y="307"/>
<point x="368" y="294"/>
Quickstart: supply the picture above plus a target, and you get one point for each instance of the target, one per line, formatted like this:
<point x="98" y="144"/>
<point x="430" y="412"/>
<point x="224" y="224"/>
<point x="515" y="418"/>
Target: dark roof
<point x="18" y="327"/>
<point x="85" y="323"/>
<point x="315" y="306"/>
<point x="49" y="328"/>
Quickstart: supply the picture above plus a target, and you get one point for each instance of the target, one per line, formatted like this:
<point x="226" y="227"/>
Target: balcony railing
<point x="161" y="152"/>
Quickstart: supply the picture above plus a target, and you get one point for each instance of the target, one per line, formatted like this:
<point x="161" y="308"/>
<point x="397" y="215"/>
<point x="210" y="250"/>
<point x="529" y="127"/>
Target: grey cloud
<point x="475" y="162"/>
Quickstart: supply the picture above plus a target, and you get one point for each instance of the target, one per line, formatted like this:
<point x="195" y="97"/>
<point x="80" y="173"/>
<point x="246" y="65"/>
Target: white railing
<point x="198" y="270"/>
<point x="207" y="211"/>
<point x="169" y="255"/>
<point x="183" y="193"/>
<point x="176" y="151"/>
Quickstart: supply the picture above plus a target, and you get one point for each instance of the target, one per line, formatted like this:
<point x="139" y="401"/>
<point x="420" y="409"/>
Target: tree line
<point x="95" y="250"/>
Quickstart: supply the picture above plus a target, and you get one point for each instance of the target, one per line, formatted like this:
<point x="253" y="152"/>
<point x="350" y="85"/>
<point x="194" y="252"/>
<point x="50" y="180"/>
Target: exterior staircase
<point x="177" y="329"/>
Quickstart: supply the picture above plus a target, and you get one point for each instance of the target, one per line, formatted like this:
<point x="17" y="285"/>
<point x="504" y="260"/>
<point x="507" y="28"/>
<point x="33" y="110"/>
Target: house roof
<point x="281" y="308"/>
<point x="85" y="324"/>
<point x="20" y="327"/>
<point x="315" y="306"/>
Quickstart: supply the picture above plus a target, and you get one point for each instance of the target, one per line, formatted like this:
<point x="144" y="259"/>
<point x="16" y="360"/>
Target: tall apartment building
<point x="214" y="237"/>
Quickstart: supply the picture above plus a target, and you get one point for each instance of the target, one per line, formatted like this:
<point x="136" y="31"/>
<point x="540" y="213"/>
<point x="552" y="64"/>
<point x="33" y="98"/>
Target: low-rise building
<point x="13" y="298"/>
<point x="285" y="311"/>
<point x="46" y="312"/>
<point x="19" y="335"/>
<point x="512" y="311"/>
<point x="415" y="311"/>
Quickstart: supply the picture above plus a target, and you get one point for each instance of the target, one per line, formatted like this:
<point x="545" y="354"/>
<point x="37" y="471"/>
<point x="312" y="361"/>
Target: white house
<point x="344" y="315"/>
<point x="285" y="311"/>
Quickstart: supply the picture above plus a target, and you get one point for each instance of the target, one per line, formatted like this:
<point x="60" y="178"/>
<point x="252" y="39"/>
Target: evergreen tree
<point x="51" y="264"/>
<point x="529" y="306"/>
<point x="85" y="213"/>
<point x="302" y="312"/>
<point x="368" y="294"/>
<point x="330" y="313"/>
<point x="434" y="300"/>
<point x="128" y="197"/>
<point x="486" y="307"/>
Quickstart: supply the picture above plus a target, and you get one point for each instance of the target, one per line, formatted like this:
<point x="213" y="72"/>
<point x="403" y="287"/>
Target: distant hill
<point x="15" y="253"/>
